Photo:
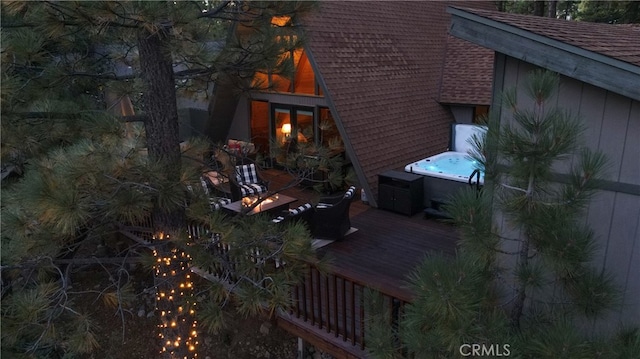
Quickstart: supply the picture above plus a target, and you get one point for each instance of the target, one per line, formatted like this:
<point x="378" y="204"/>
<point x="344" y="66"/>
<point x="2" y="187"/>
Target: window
<point x="293" y="123"/>
<point x="281" y="124"/>
<point x="480" y="112"/>
<point x="260" y="125"/>
<point x="302" y="81"/>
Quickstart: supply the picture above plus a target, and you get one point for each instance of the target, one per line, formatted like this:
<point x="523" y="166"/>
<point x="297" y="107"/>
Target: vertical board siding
<point x="630" y="169"/>
<point x="569" y="98"/>
<point x="592" y="111"/>
<point x="613" y="133"/>
<point x="623" y="235"/>
<point x="632" y="290"/>
<point x="599" y="217"/>
<point x="612" y="125"/>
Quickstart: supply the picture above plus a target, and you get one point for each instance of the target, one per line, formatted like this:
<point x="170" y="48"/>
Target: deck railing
<point x="337" y="304"/>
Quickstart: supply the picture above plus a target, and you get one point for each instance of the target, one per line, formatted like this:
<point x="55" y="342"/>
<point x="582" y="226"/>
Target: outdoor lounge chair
<point x="216" y="201"/>
<point x="302" y="213"/>
<point x="247" y="182"/>
<point x="331" y="216"/>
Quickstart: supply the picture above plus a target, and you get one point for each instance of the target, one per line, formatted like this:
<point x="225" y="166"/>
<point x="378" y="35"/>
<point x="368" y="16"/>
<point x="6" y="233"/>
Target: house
<point x="383" y="76"/>
<point x="599" y="66"/>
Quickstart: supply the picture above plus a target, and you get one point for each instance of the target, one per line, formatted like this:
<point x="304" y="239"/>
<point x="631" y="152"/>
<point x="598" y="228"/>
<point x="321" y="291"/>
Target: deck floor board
<point x="386" y="247"/>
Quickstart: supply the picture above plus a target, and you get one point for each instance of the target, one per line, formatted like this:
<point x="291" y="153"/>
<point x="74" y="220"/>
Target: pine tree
<point x="531" y="291"/>
<point x="83" y="173"/>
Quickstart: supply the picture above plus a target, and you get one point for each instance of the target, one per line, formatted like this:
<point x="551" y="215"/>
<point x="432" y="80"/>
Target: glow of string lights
<point x="175" y="264"/>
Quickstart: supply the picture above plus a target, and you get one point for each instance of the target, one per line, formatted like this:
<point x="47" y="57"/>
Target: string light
<point x="174" y="263"/>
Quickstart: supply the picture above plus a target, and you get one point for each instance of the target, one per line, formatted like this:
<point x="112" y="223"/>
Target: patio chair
<point x="331" y="216"/>
<point x="216" y="201"/>
<point x="247" y="182"/>
<point x="302" y="213"/>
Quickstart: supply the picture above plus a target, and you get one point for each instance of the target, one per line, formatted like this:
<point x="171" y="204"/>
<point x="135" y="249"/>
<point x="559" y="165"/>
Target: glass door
<point x="304" y="129"/>
<point x="260" y="126"/>
<point x="282" y="124"/>
<point x="292" y="123"/>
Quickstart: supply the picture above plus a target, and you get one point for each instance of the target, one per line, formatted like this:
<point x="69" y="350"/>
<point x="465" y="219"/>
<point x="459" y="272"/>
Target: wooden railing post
<point x="362" y="317"/>
<point x="326" y="285"/>
<point x="335" y="304"/>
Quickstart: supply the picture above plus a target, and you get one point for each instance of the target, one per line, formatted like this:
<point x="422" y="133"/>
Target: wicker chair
<point x="302" y="213"/>
<point x="331" y="216"/>
<point x="216" y="201"/>
<point x="247" y="182"/>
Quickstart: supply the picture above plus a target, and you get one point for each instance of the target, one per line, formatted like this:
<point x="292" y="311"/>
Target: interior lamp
<point x="286" y="130"/>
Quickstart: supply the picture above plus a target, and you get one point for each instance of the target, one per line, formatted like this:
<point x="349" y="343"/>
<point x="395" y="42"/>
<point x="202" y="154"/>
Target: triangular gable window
<point x="302" y="81"/>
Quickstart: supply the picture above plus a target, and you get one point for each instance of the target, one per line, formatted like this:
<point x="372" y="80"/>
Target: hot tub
<point x="454" y="166"/>
<point x="444" y="174"/>
<point x="447" y="172"/>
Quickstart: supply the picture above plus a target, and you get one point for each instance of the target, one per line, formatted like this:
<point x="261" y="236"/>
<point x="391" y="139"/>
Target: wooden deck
<point x="386" y="247"/>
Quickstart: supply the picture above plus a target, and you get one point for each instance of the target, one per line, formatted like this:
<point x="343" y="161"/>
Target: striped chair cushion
<point x="217" y="202"/>
<point x="300" y="209"/>
<point x="246" y="174"/>
<point x="203" y="182"/>
<point x="350" y="192"/>
<point x="293" y="212"/>
<point x="252" y="189"/>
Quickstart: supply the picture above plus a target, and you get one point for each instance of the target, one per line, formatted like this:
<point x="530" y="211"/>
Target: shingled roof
<point x="621" y="42"/>
<point x="467" y="76"/>
<point x="380" y="64"/>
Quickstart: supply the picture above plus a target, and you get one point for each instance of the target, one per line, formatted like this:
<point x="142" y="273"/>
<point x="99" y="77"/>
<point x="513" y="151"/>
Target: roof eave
<point x="587" y="66"/>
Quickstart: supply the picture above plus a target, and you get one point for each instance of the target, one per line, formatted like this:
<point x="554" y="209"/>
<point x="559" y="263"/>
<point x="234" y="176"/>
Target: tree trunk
<point x="161" y="124"/>
<point x="552" y="10"/>
<point x="538" y="8"/>
<point x="523" y="259"/>
<point x="521" y="286"/>
<point x="163" y="144"/>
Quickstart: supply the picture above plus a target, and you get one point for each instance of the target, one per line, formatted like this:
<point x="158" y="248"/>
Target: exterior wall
<point x="240" y="127"/>
<point x="462" y="114"/>
<point x="193" y="122"/>
<point x="612" y="124"/>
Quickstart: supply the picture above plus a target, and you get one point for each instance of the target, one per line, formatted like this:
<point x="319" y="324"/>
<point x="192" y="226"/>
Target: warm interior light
<point x="280" y="20"/>
<point x="286" y="129"/>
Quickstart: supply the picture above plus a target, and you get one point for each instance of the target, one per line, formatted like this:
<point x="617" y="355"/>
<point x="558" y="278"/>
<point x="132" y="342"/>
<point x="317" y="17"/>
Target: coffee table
<point x="274" y="206"/>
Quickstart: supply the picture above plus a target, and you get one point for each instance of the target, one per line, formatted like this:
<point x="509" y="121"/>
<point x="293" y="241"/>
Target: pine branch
<point x="137" y="24"/>
<point x="192" y="73"/>
<point x="513" y="188"/>
<point x="213" y="13"/>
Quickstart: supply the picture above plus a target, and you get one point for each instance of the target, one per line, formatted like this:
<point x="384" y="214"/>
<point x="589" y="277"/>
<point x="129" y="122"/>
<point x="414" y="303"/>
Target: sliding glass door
<point x="292" y="123"/>
<point x="282" y="125"/>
